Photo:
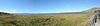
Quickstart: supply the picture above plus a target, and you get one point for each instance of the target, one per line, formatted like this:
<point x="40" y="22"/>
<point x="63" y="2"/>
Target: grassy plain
<point x="46" y="20"/>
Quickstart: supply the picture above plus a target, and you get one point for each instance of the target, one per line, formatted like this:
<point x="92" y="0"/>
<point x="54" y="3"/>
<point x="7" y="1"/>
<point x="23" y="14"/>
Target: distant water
<point x="31" y="15"/>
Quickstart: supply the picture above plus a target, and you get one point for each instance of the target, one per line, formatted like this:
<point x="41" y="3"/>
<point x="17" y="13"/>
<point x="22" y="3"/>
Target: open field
<point x="47" y="20"/>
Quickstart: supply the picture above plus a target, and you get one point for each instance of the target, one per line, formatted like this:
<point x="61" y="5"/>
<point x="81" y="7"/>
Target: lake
<point x="32" y="15"/>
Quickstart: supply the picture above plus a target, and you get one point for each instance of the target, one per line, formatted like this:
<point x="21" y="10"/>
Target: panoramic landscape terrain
<point x="49" y="12"/>
<point x="47" y="19"/>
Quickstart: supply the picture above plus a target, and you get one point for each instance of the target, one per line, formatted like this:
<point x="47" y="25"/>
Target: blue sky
<point x="46" y="6"/>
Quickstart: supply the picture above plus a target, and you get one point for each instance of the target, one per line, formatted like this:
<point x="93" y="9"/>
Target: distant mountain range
<point x="2" y="13"/>
<point x="92" y="9"/>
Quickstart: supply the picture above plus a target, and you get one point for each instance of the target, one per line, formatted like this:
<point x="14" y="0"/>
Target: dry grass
<point x="48" y="20"/>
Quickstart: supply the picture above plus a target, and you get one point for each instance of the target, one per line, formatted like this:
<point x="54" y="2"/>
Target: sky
<point x="47" y="6"/>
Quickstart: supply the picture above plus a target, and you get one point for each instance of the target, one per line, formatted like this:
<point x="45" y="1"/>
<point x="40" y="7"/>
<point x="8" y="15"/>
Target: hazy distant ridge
<point x="92" y="9"/>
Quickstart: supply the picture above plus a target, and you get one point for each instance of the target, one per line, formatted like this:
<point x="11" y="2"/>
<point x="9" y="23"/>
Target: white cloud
<point x="10" y="11"/>
<point x="13" y="10"/>
<point x="3" y="11"/>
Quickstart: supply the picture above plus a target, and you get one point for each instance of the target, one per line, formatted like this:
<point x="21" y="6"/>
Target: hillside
<point x="92" y="9"/>
<point x="2" y="13"/>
